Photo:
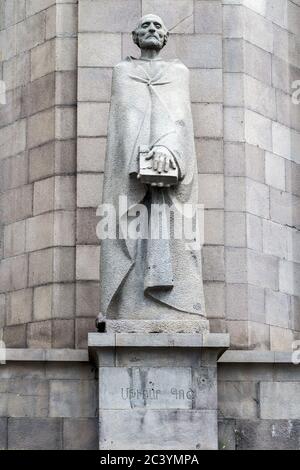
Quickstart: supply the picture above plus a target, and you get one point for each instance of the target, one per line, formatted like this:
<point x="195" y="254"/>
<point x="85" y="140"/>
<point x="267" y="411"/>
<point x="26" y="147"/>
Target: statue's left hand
<point x="162" y="159"/>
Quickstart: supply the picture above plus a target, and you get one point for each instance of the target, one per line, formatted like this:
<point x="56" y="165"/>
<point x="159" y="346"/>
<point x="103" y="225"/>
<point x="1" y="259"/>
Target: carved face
<point x="150" y="33"/>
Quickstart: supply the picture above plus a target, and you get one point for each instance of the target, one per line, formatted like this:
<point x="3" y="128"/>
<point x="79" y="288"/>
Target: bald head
<point x="150" y="33"/>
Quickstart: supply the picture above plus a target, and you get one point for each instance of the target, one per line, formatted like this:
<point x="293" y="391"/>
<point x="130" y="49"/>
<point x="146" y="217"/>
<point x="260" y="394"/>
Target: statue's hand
<point x="162" y="159"/>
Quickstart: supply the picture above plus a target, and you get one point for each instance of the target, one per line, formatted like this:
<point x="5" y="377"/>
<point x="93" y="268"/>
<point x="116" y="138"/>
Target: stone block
<point x="51" y="158"/>
<point x="41" y="128"/>
<point x="24" y="397"/>
<point x="213" y="263"/>
<point x="15" y="336"/>
<point x="91" y="154"/>
<point x="91" y="52"/>
<point x="66" y="88"/>
<point x="258" y="336"/>
<point x="39" y="95"/>
<point x="233" y="25"/>
<point x="208" y="120"/>
<point x="258" y="130"/>
<point x="179" y="19"/>
<point x="214" y="227"/>
<point x="238" y="331"/>
<point x="92" y="119"/>
<point x="235" y="229"/>
<point x="3" y="433"/>
<point x="13" y="11"/>
<point x="277" y="309"/>
<point x="262" y="270"/>
<point x="39" y="232"/>
<point x="235" y="194"/>
<point x="54" y="194"/>
<point x="295" y="313"/>
<point x="39" y="335"/>
<point x="293" y="17"/>
<point x="258" y="30"/>
<point x="13" y="139"/>
<point x="34" y="434"/>
<point x="255" y="163"/>
<point x="234" y="89"/>
<point x="8" y="43"/>
<point x="16" y="204"/>
<point x="51" y="265"/>
<point x="277" y="239"/>
<point x="214" y="293"/>
<point x="86" y="227"/>
<point x="289" y="277"/>
<point x="13" y="273"/>
<point x="42" y="303"/>
<point x="87" y="262"/>
<point x="34" y="6"/>
<point x="66" y="54"/>
<point x="88" y="84"/>
<point x="83" y="326"/>
<point x="238" y="399"/>
<point x="257" y="63"/>
<point x="259" y="97"/>
<point x="196" y="50"/>
<point x="234" y="159"/>
<point x="258" y="199"/>
<point x="236" y="265"/>
<point x="237" y="301"/>
<point x="211" y="191"/>
<point x="14" y="239"/>
<point x="208" y="17"/>
<point x="16" y="71"/>
<point x="14" y="172"/>
<point x="19" y="307"/>
<point x="80" y="434"/>
<point x="87" y="299"/>
<point x="234" y="124"/>
<point x="233" y="55"/>
<point x="65" y="123"/>
<point x="210" y="155"/>
<point x="61" y="19"/>
<point x="43" y="59"/>
<point x="101" y="16"/>
<point x="206" y="85"/>
<point x="30" y="32"/>
<point x="12" y="111"/>
<point x="63" y="334"/>
<point x="189" y="430"/>
<point x="284" y="207"/>
<point x="89" y="190"/>
<point x="266" y="435"/>
<point x="226" y="432"/>
<point x="281" y="339"/>
<point x="254" y="232"/>
<point x="73" y="398"/>
<point x="279" y="400"/>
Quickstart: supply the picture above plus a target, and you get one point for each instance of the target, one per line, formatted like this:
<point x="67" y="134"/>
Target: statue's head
<point x="150" y="33"/>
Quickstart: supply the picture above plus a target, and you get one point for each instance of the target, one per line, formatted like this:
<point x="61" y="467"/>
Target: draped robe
<point x="150" y="279"/>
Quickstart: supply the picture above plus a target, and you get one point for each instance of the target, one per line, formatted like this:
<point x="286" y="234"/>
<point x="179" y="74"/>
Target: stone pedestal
<point x="157" y="391"/>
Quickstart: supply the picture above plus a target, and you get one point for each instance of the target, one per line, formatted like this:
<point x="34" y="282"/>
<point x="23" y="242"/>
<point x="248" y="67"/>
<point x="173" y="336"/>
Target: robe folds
<point x="146" y="278"/>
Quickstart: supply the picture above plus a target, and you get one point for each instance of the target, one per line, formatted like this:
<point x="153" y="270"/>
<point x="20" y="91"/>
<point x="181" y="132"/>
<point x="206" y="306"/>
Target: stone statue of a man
<point x="151" y="284"/>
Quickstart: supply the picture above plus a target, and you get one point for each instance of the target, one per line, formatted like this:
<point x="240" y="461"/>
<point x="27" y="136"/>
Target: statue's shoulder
<point x="121" y="67"/>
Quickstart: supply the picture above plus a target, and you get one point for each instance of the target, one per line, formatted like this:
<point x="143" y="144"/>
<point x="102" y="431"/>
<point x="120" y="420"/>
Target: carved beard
<point x="158" y="46"/>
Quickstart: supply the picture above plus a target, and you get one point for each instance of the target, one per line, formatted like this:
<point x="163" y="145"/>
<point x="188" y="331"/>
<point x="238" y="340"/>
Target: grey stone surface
<point x="279" y="400"/>
<point x="267" y="435"/>
<point x="3" y="433"/>
<point x="158" y="429"/>
<point x="34" y="434"/>
<point x="80" y="434"/>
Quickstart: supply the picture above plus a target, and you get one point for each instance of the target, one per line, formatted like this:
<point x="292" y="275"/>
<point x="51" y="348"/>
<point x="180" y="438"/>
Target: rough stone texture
<point x="37" y="131"/>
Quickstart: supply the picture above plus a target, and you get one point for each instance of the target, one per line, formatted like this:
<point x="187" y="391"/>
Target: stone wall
<point x="258" y="403"/>
<point x="37" y="164"/>
<point x="261" y="154"/>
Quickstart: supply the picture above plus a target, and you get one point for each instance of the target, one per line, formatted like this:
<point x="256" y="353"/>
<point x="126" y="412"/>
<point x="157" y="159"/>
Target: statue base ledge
<point x="158" y="390"/>
<point x="157" y="326"/>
